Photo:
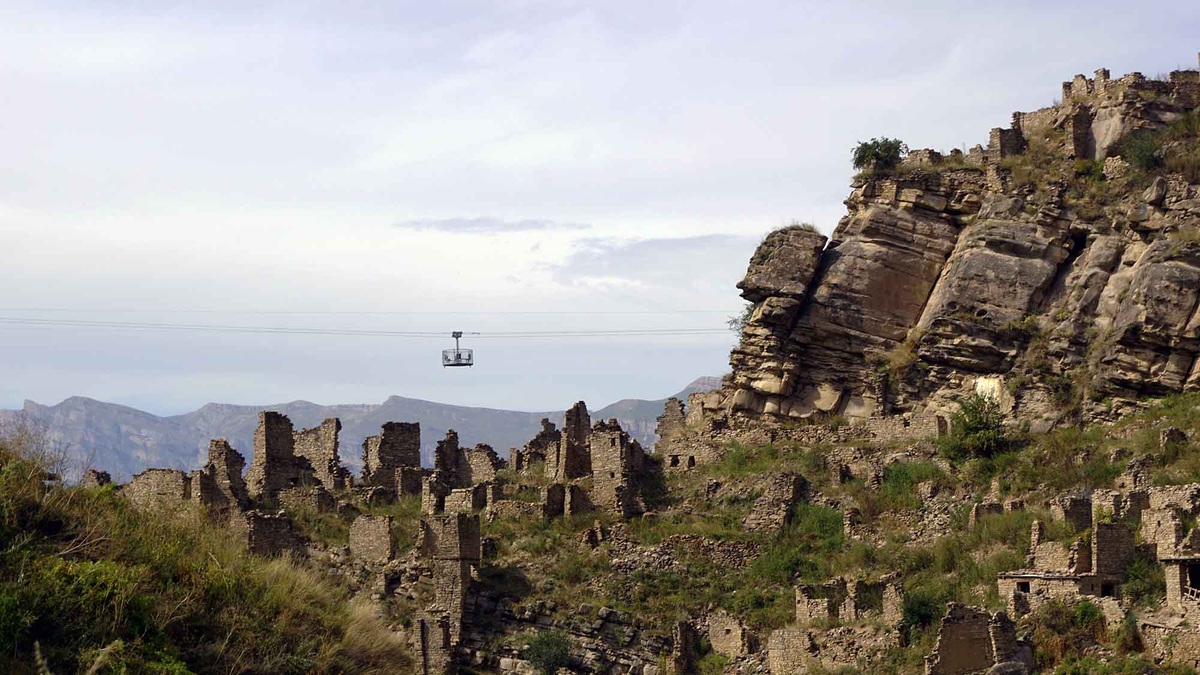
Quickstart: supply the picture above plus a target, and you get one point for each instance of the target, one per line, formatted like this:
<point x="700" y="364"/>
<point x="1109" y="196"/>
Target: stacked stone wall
<point x="266" y="534"/>
<point x="571" y="458"/>
<point x="371" y="539"/>
<point x="964" y="643"/>
<point x="319" y="446"/>
<point x="479" y="465"/>
<point x="158" y="486"/>
<point x="773" y="509"/>
<point x="670" y="422"/>
<point x="398" y="446"/>
<point x="617" y="463"/>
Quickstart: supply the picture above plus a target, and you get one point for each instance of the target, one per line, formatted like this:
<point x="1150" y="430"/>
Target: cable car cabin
<point x="457" y="357"/>
<point x="453" y="358"/>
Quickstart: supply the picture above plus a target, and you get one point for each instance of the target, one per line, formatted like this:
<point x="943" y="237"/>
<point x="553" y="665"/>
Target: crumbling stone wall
<point x="970" y="641"/>
<point x="794" y="649"/>
<point x="275" y="466"/>
<point x="1112" y="549"/>
<point x="1074" y="509"/>
<point x="571" y="459"/>
<point x="221" y="479"/>
<point x="310" y="498"/>
<point x="446" y="460"/>
<point x="265" y="534"/>
<point x="616" y="465"/>
<point x="1162" y="529"/>
<point x="158" y="486"/>
<point x="371" y="539"/>
<point x="453" y="546"/>
<point x="543" y="445"/>
<point x="435" y="646"/>
<point x="727" y="634"/>
<point x="774" y="507"/>
<point x="819" y="602"/>
<point x="319" y="446"/>
<point x="398" y="446"/>
<point x="465" y="500"/>
<point x="671" y="421"/>
<point x="478" y="465"/>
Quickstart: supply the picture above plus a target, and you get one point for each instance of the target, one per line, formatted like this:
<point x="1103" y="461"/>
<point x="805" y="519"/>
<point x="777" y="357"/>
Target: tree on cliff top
<point x="879" y="154"/>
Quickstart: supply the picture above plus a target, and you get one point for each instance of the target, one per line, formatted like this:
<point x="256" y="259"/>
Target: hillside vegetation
<point x="87" y="584"/>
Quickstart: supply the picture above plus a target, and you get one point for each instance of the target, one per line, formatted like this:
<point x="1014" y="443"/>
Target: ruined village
<point x="808" y="516"/>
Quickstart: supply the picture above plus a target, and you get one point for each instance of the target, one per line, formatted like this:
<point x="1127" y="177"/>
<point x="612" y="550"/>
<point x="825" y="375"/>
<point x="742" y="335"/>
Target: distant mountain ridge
<point x="124" y="440"/>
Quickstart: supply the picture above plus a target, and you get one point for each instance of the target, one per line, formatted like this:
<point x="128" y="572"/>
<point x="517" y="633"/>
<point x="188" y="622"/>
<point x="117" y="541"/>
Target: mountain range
<point x="125" y="441"/>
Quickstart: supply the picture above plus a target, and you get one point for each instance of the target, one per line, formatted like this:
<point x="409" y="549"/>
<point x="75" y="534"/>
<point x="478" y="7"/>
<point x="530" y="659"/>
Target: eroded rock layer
<point x="1055" y="269"/>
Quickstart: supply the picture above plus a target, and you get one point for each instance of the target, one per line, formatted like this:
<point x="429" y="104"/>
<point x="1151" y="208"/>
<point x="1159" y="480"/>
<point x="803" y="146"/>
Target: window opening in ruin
<point x="1108" y="590"/>
<point x="691" y="462"/>
<point x="1194" y="575"/>
<point x="457" y="357"/>
<point x="674" y="460"/>
<point x="1023" y="586"/>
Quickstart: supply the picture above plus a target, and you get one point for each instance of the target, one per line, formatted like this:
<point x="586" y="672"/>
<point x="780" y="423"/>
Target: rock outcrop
<point x="1015" y="270"/>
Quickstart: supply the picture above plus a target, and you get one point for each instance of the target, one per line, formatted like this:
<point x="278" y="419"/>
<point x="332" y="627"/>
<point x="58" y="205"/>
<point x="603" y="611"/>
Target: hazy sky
<point x="480" y="166"/>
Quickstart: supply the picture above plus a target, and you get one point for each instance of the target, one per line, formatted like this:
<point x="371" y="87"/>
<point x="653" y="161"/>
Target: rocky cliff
<point x="1058" y="268"/>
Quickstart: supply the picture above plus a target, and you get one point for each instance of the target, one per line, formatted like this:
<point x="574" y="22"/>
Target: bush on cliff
<point x="976" y="430"/>
<point x="880" y="155"/>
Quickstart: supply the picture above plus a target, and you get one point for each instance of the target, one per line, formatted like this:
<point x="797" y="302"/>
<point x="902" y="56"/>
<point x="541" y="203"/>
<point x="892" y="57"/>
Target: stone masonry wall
<point x="616" y="467"/>
<point x="158" y="486"/>
<point x="397" y="446"/>
<point x="671" y="421"/>
<point x="275" y="466"/>
<point x="964" y="644"/>
<point x="319" y="446"/>
<point x="371" y="539"/>
<point x="571" y="458"/>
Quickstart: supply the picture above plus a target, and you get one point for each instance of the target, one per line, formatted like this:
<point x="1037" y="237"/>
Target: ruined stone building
<point x="617" y="465"/>
<point x="535" y="452"/>
<point x="220" y="484"/>
<point x="971" y="640"/>
<point x="319" y="446"/>
<point x="276" y="467"/>
<point x="392" y="459"/>
<point x="570" y="459"/>
<point x="452" y="545"/>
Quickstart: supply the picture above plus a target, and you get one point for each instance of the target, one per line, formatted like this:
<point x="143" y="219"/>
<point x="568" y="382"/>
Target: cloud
<point x="488" y="226"/>
<point x="675" y="270"/>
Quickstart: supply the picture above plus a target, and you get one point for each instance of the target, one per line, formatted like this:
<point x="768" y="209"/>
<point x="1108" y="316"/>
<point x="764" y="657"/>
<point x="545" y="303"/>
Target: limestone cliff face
<point x="1016" y="269"/>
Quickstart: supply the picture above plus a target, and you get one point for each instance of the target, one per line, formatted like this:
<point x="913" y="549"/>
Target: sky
<point x="491" y="167"/>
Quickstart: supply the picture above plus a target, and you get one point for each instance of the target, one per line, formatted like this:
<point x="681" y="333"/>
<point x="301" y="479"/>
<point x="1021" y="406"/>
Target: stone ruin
<point x="451" y="544"/>
<point x="371" y="539"/>
<point x="537" y="449"/>
<point x="972" y="641"/>
<point x="774" y="508"/>
<point x="590" y="466"/>
<point x="837" y="623"/>
<point x="392" y="460"/>
<point x="848" y="599"/>
<point x="571" y="459"/>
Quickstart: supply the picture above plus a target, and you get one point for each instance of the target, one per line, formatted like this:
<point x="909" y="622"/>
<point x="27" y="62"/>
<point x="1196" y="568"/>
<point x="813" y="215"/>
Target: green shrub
<point x="548" y="651"/>
<point x="878" y="154"/>
<point x="1061" y="631"/>
<point x="737" y="323"/>
<point x="1142" y="150"/>
<point x="1145" y="582"/>
<point x="922" y="608"/>
<point x="711" y="663"/>
<point x="976" y="430"/>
